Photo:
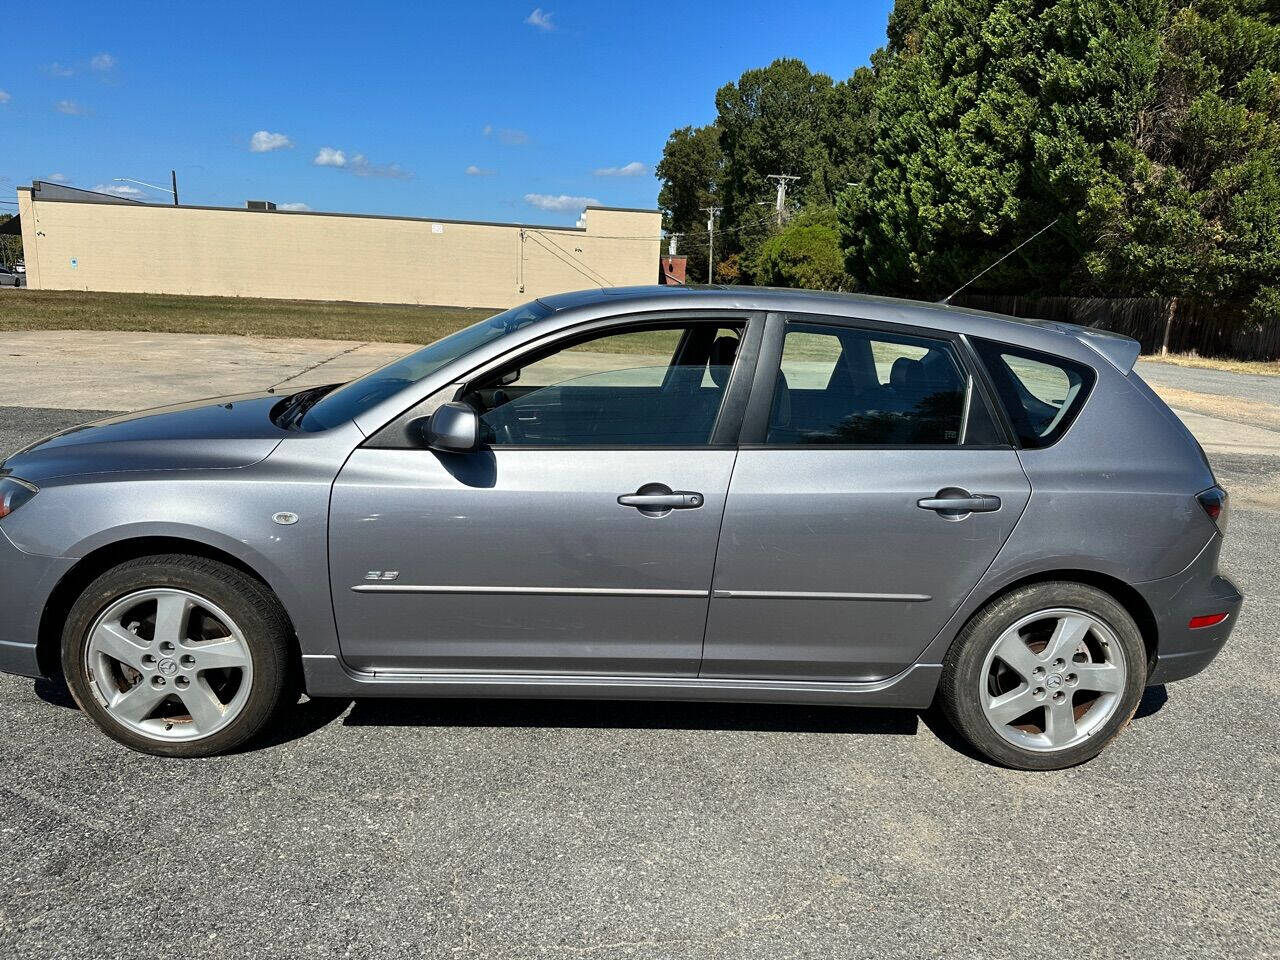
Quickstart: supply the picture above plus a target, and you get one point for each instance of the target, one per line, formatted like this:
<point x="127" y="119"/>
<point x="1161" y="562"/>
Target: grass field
<point x="390" y="323"/>
<point x="164" y="313"/>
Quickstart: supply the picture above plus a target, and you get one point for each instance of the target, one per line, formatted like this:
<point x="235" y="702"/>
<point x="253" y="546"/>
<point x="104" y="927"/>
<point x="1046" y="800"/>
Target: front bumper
<point x="26" y="580"/>
<point x="1181" y="651"/>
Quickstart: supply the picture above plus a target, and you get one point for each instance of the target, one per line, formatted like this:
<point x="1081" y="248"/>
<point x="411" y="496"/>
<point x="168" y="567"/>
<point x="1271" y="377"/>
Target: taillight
<point x="1214" y="501"/>
<point x="14" y="493"/>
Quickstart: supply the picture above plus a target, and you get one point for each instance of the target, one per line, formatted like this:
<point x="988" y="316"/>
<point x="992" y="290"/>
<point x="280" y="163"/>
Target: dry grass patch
<point x="1266" y="368"/>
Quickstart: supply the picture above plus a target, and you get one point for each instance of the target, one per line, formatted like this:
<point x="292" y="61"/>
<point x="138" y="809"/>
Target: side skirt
<point x="328" y="676"/>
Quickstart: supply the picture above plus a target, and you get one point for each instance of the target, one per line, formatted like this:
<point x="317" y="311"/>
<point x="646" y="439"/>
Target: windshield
<point x="352" y="399"/>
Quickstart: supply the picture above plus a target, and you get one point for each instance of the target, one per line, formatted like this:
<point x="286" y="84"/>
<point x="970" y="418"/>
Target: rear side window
<point x="848" y="386"/>
<point x="1041" y="393"/>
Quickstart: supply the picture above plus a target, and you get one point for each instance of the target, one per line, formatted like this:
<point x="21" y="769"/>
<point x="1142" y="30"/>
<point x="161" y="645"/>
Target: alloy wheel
<point x="168" y="664"/>
<point x="1052" y="679"/>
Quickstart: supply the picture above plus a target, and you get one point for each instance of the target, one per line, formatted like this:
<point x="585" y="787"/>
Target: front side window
<point x="652" y="386"/>
<point x="350" y="400"/>
<point x="1041" y="393"/>
<point x="847" y="386"/>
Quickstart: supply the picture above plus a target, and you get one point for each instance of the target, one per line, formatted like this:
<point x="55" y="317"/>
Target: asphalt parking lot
<point x="542" y="829"/>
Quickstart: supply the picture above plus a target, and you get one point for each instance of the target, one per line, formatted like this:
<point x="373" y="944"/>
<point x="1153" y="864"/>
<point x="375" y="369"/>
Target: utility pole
<point x="712" y="213"/>
<point x="782" y="180"/>
<point x="173" y="175"/>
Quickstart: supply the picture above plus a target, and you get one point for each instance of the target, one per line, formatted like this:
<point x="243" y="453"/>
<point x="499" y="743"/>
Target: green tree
<point x="690" y="171"/>
<point x="10" y="246"/>
<point x="1149" y="129"/>
<point x="806" y="253"/>
<point x="782" y="118"/>
<point x="1192" y="206"/>
<point x="777" y="119"/>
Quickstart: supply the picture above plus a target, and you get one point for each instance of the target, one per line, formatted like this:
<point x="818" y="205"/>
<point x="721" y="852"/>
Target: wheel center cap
<point x="1051" y="681"/>
<point x="167" y="666"/>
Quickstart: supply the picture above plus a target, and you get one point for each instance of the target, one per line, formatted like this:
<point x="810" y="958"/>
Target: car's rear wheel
<point x="177" y="655"/>
<point x="1045" y="677"/>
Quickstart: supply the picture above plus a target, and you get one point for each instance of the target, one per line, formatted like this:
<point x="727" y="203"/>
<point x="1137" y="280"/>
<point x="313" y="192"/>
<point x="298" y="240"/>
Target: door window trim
<point x="755" y="424"/>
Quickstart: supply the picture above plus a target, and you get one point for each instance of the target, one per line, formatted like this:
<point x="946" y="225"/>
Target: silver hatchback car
<point x="654" y="493"/>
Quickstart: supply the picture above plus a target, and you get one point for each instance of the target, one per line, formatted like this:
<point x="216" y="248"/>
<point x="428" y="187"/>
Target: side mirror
<point x="453" y="428"/>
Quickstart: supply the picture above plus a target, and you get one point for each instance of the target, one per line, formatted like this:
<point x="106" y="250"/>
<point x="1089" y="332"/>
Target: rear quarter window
<point x="1041" y="393"/>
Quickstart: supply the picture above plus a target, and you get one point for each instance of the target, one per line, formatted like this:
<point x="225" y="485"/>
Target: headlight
<point x="14" y="493"/>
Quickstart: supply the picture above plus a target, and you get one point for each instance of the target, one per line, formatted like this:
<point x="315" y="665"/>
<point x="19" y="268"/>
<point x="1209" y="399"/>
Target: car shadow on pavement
<point x="629" y="714"/>
<point x="308" y="716"/>
<point x="54" y="691"/>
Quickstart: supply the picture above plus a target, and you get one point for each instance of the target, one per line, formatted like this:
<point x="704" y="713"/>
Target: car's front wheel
<point x="177" y="655"/>
<point x="1045" y="677"/>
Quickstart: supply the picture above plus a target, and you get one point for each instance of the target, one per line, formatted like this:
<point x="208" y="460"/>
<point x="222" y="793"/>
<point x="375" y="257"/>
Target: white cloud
<point x="4" y="96"/>
<point x="360" y="165"/>
<point x="57" y="178"/>
<point x="329" y="157"/>
<point x="540" y="19"/>
<point x="103" y="62"/>
<point x="118" y="189"/>
<point x="560" y="203"/>
<point x="474" y="171"/>
<point x="264" y="142"/>
<point x="506" y="136"/>
<point x="633" y="169"/>
<point x="58" y="70"/>
<point x="292" y="206"/>
<point x="70" y="108"/>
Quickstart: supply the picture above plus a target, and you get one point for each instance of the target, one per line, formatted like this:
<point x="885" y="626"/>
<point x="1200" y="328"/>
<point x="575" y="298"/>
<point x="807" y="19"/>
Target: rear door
<point x="872" y="489"/>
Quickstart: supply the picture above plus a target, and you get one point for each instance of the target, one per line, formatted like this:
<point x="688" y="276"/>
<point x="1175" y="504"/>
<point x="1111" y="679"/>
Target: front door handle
<point x="953" y="501"/>
<point x="657" y="500"/>
<point x="675" y="500"/>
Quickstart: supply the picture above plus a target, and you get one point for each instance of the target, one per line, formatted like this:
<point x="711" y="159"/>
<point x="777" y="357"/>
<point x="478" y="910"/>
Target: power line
<point x="571" y="256"/>
<point x="562" y="255"/>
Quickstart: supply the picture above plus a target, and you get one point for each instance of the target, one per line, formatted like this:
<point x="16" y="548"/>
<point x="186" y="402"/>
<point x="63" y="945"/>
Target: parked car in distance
<point x="722" y="494"/>
<point x="9" y="279"/>
<point x="19" y="267"/>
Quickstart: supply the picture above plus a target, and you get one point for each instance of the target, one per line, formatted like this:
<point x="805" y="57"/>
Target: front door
<point x="581" y="539"/>
<point x="872" y="492"/>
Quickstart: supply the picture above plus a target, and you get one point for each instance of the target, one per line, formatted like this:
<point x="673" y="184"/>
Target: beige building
<point x="80" y="240"/>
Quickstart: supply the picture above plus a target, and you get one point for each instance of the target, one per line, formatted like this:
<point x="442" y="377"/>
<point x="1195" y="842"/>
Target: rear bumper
<point x="26" y="580"/>
<point x="1181" y="651"/>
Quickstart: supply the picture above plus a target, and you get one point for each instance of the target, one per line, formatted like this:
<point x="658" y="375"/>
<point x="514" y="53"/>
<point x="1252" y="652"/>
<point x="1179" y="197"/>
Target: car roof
<point x="1048" y="335"/>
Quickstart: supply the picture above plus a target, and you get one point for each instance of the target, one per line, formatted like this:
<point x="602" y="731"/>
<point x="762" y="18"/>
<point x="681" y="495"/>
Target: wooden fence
<point x="1211" y="331"/>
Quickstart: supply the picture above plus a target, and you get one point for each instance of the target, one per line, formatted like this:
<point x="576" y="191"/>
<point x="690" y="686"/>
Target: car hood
<point x="225" y="432"/>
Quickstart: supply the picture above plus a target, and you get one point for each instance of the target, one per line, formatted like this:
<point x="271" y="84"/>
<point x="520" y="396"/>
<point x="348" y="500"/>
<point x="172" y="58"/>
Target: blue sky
<point x="487" y="111"/>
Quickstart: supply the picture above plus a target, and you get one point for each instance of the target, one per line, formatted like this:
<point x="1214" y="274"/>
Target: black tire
<point x="962" y="679"/>
<point x="252" y="606"/>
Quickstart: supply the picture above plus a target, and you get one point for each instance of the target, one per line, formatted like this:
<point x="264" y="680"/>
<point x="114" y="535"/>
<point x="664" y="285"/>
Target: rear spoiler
<point x="1117" y="349"/>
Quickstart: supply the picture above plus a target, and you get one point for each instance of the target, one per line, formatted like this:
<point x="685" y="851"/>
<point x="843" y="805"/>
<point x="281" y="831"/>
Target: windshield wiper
<point x="290" y="411"/>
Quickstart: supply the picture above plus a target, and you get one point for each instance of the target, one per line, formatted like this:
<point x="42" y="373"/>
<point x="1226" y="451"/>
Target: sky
<point x="472" y="111"/>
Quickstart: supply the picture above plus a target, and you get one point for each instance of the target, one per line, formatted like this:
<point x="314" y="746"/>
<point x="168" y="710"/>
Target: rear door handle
<point x="960" y="504"/>
<point x="675" y="500"/>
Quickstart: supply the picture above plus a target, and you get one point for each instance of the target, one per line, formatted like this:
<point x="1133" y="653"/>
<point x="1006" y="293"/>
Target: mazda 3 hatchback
<point x="651" y="493"/>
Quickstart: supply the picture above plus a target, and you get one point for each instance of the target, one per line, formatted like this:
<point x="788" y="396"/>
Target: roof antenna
<point x="947" y="298"/>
